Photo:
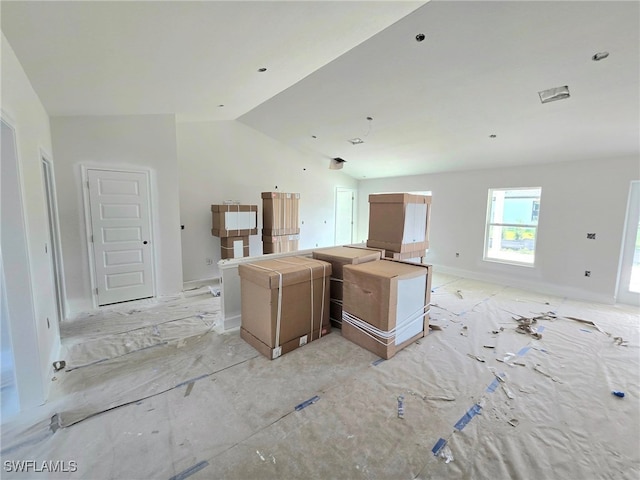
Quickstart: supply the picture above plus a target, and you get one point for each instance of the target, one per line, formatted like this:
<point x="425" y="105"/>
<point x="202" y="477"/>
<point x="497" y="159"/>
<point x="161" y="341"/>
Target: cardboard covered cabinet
<point x="338" y="257"/>
<point x="399" y="222"/>
<point x="234" y="220"/>
<point x="386" y="305"/>
<point x="280" y="213"/>
<point x="285" y="303"/>
<point x="234" y="247"/>
<point x="280" y="243"/>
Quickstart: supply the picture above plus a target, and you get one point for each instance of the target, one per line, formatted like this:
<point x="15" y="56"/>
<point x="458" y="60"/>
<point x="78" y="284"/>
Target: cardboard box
<point x="415" y="257"/>
<point x="280" y="243"/>
<point x="338" y="257"/>
<point x="234" y="220"/>
<point x="399" y="221"/>
<point x="386" y="305"/>
<point x="234" y="247"/>
<point x="280" y="213"/>
<point x="285" y="303"/>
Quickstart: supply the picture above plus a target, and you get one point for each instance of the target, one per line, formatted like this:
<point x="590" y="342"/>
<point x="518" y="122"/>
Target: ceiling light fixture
<point x="553" y="94"/>
<point x="336" y="163"/>
<point x="600" y="56"/>
<point x="493" y="135"/>
<point x="262" y="69"/>
<point x="355" y="141"/>
<point x="420" y="37"/>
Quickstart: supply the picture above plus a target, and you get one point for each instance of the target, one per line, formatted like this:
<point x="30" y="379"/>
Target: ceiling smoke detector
<point x="336" y="163"/>
<point x="553" y="94"/>
<point x="355" y="141"/>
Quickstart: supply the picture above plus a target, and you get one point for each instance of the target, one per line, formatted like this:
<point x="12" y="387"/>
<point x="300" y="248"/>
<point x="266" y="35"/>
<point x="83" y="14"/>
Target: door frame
<point x="57" y="264"/>
<point x="20" y="305"/>
<point x="627" y="250"/>
<point x="84" y="169"/>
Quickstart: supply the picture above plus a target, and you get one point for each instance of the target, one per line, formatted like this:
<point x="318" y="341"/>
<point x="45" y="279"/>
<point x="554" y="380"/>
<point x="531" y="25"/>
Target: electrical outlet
<point x="587" y="273"/>
<point x="591" y="236"/>
<point x="209" y="261"/>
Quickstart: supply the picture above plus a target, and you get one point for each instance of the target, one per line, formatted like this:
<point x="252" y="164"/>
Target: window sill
<point x="509" y="262"/>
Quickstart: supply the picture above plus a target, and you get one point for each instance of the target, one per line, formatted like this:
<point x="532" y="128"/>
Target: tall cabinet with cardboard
<point x="280" y="225"/>
<point x="233" y="223"/>
<point x="399" y="223"/>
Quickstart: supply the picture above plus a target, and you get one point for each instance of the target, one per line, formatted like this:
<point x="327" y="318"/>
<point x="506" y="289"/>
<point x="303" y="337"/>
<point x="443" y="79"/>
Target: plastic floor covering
<point x="509" y="384"/>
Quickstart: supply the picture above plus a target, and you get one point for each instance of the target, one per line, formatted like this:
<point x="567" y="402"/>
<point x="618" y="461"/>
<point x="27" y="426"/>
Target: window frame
<point x="488" y="224"/>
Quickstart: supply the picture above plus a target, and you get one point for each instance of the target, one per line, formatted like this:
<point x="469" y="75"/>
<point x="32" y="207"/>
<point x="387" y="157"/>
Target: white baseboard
<point x="539" y="287"/>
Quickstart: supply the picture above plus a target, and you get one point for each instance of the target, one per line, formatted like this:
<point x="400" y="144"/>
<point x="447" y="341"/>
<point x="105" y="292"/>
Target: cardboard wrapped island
<point x="285" y="303"/>
<point x="338" y="257"/>
<point x="386" y="304"/>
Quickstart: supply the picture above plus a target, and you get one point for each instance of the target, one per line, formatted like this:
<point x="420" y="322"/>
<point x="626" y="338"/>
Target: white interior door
<point x="121" y="235"/>
<point x="344" y="216"/>
<point x="629" y="280"/>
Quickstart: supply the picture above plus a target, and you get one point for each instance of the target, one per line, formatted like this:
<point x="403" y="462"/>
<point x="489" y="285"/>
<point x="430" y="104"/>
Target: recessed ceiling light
<point x="262" y="69"/>
<point x="553" y="94"/>
<point x="600" y="56"/>
<point x="355" y="141"/>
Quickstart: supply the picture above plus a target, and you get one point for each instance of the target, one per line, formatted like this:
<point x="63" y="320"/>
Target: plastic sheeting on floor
<point x="157" y="393"/>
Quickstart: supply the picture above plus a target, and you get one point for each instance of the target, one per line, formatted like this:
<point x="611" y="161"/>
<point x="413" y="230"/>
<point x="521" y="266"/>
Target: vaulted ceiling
<point x="465" y="97"/>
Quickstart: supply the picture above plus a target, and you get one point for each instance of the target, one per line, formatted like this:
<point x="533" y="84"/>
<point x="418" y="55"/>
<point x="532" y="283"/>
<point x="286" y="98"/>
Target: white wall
<point x="577" y="198"/>
<point x="134" y="142"/>
<point x="230" y="161"/>
<point x="33" y="339"/>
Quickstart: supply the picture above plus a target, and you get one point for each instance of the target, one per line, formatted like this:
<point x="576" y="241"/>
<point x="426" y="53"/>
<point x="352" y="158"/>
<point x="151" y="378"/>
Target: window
<point x="512" y="225"/>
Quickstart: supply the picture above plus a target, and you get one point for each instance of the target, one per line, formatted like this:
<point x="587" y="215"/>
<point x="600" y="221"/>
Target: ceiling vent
<point x="336" y="163"/>
<point x="553" y="94"/>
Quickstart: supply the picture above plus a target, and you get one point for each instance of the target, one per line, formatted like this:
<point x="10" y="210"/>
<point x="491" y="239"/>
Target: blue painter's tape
<point x="190" y="471"/>
<point x="523" y="350"/>
<point x="378" y="362"/>
<point x="306" y="403"/>
<point x="466" y="418"/>
<point x="493" y="386"/>
<point x="440" y="444"/>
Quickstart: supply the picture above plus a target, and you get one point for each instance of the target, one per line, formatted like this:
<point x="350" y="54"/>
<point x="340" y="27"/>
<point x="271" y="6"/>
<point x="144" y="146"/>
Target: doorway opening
<point x="54" y="237"/>
<point x="345" y="202"/>
<point x="629" y="271"/>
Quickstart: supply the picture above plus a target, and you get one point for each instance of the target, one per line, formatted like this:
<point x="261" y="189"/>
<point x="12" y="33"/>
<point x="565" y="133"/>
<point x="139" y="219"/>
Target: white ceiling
<point x="331" y="64"/>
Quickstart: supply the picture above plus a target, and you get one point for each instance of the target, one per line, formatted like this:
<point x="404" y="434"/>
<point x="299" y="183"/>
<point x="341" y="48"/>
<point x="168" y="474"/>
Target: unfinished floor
<point x="152" y="390"/>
